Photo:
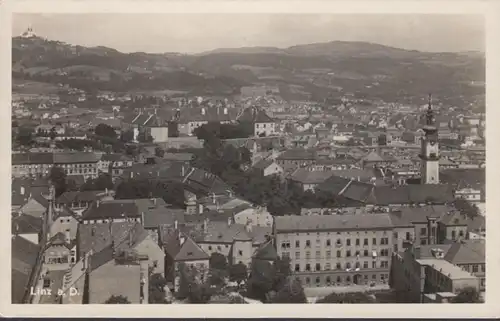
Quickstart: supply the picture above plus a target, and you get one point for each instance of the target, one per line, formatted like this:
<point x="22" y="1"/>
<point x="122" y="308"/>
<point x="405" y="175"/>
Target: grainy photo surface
<point x="247" y="158"/>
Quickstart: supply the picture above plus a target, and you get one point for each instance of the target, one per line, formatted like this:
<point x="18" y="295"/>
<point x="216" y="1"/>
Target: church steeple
<point x="429" y="155"/>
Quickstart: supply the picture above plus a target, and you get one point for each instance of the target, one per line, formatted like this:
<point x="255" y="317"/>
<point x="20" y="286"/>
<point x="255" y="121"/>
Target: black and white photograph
<point x="248" y="158"/>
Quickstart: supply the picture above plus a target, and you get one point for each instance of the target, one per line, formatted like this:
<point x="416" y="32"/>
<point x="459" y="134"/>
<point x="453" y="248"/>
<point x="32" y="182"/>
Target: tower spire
<point x="429" y="117"/>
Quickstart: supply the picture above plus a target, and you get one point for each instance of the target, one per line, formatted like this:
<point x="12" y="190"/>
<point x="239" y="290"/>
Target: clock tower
<point x="429" y="154"/>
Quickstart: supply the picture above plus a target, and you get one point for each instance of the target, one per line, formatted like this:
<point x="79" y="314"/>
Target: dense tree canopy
<point x="117" y="299"/>
<point x="290" y="292"/>
<point x="105" y="131"/>
<point x="352" y="297"/>
<point x="224" y="131"/>
<point x="467" y="295"/>
<point x="58" y="177"/>
<point x="101" y="183"/>
<point x="157" y="285"/>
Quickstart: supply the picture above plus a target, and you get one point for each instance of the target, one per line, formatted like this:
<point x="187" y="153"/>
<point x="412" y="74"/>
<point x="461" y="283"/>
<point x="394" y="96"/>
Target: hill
<point x="312" y="71"/>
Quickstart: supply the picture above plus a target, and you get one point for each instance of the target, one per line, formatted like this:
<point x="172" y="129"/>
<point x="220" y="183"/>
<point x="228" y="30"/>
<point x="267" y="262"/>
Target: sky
<point x="195" y="33"/>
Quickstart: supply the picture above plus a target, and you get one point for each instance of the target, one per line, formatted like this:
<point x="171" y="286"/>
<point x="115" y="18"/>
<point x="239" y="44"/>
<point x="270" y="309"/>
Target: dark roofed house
<point x="24" y="258"/>
<point x="116" y="211"/>
<point x="28" y="227"/>
<point x="307" y="179"/>
<point x="203" y="183"/>
<point x="263" y="124"/>
<point x="76" y="200"/>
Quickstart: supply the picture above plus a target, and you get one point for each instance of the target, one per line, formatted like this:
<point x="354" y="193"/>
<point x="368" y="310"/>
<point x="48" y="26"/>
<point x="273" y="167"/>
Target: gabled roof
<point x="32" y="158"/>
<point x="255" y="115"/>
<point x="24" y="258"/>
<point x="190" y="251"/>
<point x="26" y="224"/>
<point x="466" y="252"/>
<point x="76" y="157"/>
<point x="373" y="156"/>
<point x="111" y="209"/>
<point x="306" y="176"/>
<point x="297" y="154"/>
<point x="332" y="222"/>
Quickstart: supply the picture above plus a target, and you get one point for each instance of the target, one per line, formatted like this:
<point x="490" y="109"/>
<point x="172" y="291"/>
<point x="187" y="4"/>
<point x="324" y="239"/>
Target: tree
<point x="291" y="292"/>
<point x="159" y="152"/>
<point x="117" y="299"/>
<point x="25" y="136"/>
<point x="238" y="273"/>
<point x="127" y="136"/>
<point x="467" y="208"/>
<point x="282" y="272"/>
<point x="52" y="133"/>
<point x="157" y="285"/>
<point x="58" y="177"/>
<point x="105" y="130"/>
<point x="218" y="261"/>
<point x="353" y="297"/>
<point x="191" y="287"/>
<point x="101" y="183"/>
<point x="467" y="295"/>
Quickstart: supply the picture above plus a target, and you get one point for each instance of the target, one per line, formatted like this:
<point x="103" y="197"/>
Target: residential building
<point x="28" y="227"/>
<point x="336" y="250"/>
<point x="263" y="125"/>
<point x="150" y="124"/>
<point x="419" y="274"/>
<point x="267" y="167"/>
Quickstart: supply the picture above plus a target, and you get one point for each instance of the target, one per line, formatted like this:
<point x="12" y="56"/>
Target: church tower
<point x="429" y="155"/>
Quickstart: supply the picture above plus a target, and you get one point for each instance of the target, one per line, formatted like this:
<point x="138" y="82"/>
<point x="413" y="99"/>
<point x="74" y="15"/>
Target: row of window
<point x="338" y="242"/>
<point x="348" y="253"/>
<point x="348" y="279"/>
<point x="338" y="266"/>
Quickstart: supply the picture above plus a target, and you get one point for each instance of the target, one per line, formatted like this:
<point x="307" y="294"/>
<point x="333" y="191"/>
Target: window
<point x="423" y="231"/>
<point x="328" y="243"/>
<point x="328" y="280"/>
<point x="308" y="267"/>
<point x="348" y="279"/>
<point x="395" y="235"/>
<point x="318" y="267"/>
<point x="365" y="253"/>
<point x="308" y="255"/>
<point x="308" y="280"/>
<point x="297" y="267"/>
<point x="384" y="264"/>
<point x="374" y="265"/>
<point x="461" y="233"/>
<point x="384" y="241"/>
<point x="365" y="242"/>
<point x="374" y="277"/>
<point x="339" y="279"/>
<point x="357" y="242"/>
<point x="318" y="281"/>
<point x="365" y="277"/>
<point x="308" y="243"/>
<point x="240" y="252"/>
<point x="297" y="255"/>
<point x="348" y="265"/>
<point x="347" y="253"/>
<point x="408" y="236"/>
<point x="453" y="234"/>
<point x="328" y="254"/>
<point x="348" y="242"/>
<point x="318" y="254"/>
<point x="474" y="268"/>
<point x="338" y="266"/>
<point x="374" y="241"/>
<point x="327" y="266"/>
<point x="297" y="243"/>
<point x="46" y="283"/>
<point x="338" y="242"/>
<point x="284" y="254"/>
<point x="218" y="248"/>
<point x="395" y="248"/>
<point x="357" y="253"/>
<point x="423" y="241"/>
<point x="339" y="254"/>
<point x="365" y="264"/>
<point x="210" y="247"/>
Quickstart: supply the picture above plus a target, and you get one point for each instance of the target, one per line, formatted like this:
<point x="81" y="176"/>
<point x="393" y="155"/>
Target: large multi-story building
<point x="336" y="249"/>
<point x="423" y="274"/>
<point x="39" y="164"/>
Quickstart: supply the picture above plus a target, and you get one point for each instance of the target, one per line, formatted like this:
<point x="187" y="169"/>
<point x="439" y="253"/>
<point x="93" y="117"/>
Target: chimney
<point x="248" y="228"/>
<point x="22" y="190"/>
<point x="93" y="231"/>
<point x="225" y="110"/>
<point x="176" y="223"/>
<point x="203" y="111"/>
<point x="68" y="237"/>
<point x="106" y="191"/>
<point x="205" y="226"/>
<point x="229" y="221"/>
<point x="98" y="202"/>
<point x="182" y="239"/>
<point x="183" y="171"/>
<point x="213" y="198"/>
<point x="200" y="208"/>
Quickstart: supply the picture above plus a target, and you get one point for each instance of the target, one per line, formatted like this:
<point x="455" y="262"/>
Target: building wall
<point x="59" y="252"/>
<point x="400" y="235"/>
<point x="88" y="170"/>
<point x="159" y="134"/>
<point x="455" y="232"/>
<point x="156" y="256"/>
<point x="32" y="237"/>
<point x="63" y="225"/>
<point x="273" y="169"/>
<point x="264" y="128"/>
<point x="221" y="248"/>
<point x="242" y="252"/>
<point x="254" y="217"/>
<point x="478" y="270"/>
<point x="110" y="279"/>
<point x="334" y="258"/>
<point x="407" y="277"/>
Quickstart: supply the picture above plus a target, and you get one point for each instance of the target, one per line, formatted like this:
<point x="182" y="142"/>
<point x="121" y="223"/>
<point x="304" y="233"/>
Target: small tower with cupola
<point x="429" y="155"/>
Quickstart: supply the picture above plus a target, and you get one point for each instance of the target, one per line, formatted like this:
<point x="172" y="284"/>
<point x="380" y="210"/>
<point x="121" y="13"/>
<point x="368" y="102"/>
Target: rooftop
<point x="446" y="268"/>
<point x="286" y="224"/>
